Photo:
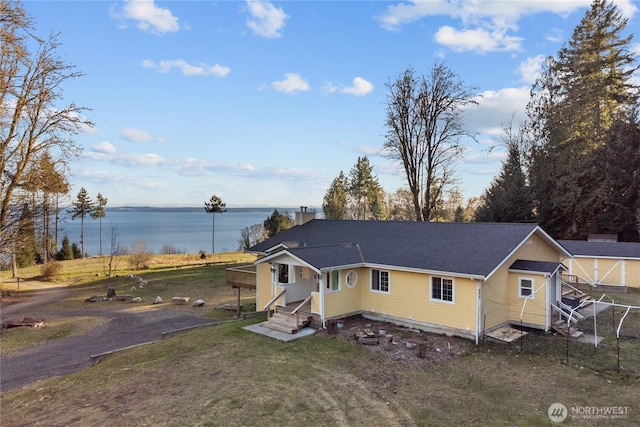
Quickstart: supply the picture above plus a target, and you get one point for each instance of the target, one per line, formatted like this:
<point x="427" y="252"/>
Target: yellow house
<point x="604" y="262"/>
<point x="463" y="279"/>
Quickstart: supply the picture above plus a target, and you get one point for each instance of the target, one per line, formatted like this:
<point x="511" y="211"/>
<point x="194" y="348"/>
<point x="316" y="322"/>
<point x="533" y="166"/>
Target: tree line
<point x="573" y="166"/>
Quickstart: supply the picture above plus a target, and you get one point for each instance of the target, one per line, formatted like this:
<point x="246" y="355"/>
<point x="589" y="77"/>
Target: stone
<point x="180" y="300"/>
<point x="111" y="292"/>
<point x="133" y="289"/>
<point x="136" y="299"/>
<point x="198" y="303"/>
<point x="158" y="300"/>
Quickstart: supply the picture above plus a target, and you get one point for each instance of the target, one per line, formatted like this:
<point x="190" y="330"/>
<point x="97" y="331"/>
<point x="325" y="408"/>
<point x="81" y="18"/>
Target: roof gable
<point x="474" y="249"/>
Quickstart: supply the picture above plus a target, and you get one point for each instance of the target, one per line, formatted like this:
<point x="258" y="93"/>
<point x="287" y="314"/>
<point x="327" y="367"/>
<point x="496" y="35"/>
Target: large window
<point x="442" y="289"/>
<point x="526" y="287"/>
<point x="380" y="281"/>
<point x="332" y="280"/>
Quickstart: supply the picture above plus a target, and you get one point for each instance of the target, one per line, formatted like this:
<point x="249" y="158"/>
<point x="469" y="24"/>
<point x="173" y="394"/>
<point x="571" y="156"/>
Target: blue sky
<point x="264" y="103"/>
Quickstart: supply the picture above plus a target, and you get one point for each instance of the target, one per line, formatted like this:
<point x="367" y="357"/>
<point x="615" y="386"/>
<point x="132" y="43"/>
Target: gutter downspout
<point x="478" y="310"/>
<point x="321" y="281"/>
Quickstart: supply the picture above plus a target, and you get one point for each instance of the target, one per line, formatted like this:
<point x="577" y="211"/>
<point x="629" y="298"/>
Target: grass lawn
<point x="226" y="376"/>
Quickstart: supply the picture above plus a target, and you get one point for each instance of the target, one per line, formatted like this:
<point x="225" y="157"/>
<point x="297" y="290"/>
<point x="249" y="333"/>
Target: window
<point x="380" y="281"/>
<point x="351" y="278"/>
<point x="283" y="273"/>
<point x="332" y="280"/>
<point x="442" y="289"/>
<point x="526" y="287"/>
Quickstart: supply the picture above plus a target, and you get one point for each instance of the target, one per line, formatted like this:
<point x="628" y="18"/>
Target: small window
<point x="526" y="288"/>
<point x="351" y="278"/>
<point x="442" y="289"/>
<point x="380" y="281"/>
<point x="283" y="273"/>
<point x="332" y="280"/>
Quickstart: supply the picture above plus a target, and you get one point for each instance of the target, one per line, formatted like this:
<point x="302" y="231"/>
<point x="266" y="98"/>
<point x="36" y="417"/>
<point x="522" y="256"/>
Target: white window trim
<point x="388" y="281"/>
<point x="330" y="281"/>
<point x="533" y="285"/>
<point x="453" y="290"/>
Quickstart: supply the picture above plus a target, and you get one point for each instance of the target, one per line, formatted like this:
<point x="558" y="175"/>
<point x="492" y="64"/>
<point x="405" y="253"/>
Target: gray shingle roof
<point x="465" y="248"/>
<point x="603" y="249"/>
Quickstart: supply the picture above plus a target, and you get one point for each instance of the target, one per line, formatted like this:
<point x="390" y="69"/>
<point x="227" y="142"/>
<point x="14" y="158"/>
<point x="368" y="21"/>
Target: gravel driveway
<point x="127" y="326"/>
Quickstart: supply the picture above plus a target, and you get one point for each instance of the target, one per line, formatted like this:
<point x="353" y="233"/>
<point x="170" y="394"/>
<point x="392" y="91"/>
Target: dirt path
<point x="127" y="326"/>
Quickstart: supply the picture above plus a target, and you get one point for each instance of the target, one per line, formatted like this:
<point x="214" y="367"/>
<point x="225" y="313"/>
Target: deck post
<point x="238" y="309"/>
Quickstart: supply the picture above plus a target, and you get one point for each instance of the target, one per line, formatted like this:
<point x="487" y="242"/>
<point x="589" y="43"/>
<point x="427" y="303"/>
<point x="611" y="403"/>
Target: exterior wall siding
<point x="346" y="300"/>
<point x="633" y="272"/>
<point x="608" y="271"/>
<point x="535" y="308"/>
<point x="501" y="302"/>
<point x="409" y="298"/>
<point x="264" y="291"/>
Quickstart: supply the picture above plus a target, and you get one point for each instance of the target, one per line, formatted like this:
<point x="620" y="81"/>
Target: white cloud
<point x="473" y="11"/>
<point x="266" y="20"/>
<point x="328" y="87"/>
<point x="554" y="35"/>
<point x="370" y="151"/>
<point x="149" y="16"/>
<point x="529" y="69"/>
<point x="187" y="69"/>
<point x="104" y="147"/>
<point x="484" y="24"/>
<point x="360" y="87"/>
<point x="479" y="39"/>
<point x="495" y="109"/>
<point x="292" y="83"/>
<point x="627" y="8"/>
<point x="137" y="135"/>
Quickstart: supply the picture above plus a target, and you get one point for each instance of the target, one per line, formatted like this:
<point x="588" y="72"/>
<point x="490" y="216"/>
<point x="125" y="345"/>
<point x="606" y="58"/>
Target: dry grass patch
<point x="20" y="338"/>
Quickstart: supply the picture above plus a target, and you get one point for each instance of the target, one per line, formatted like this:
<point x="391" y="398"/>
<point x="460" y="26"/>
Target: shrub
<point x="169" y="249"/>
<point x="50" y="269"/>
<point x="140" y="255"/>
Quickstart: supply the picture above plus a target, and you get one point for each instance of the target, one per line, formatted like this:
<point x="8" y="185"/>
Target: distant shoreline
<point x="195" y="209"/>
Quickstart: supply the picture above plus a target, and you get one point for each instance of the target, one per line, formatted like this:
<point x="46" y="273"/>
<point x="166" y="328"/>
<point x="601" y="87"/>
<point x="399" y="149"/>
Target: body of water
<point x="188" y="230"/>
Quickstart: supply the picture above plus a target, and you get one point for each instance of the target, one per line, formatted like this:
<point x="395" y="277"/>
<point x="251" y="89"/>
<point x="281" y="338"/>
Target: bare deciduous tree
<point x="140" y="255"/>
<point x="425" y="131"/>
<point x="32" y="121"/>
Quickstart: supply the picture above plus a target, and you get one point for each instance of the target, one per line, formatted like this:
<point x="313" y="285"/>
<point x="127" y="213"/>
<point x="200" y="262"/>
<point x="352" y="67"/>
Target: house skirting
<point x="423" y="326"/>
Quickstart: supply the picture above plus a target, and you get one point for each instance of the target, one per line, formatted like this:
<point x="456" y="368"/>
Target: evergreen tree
<point x="75" y="250"/>
<point x="99" y="213"/>
<point x="81" y="207"/>
<point x="277" y="223"/>
<point x="617" y="195"/>
<point x="334" y="205"/>
<point x="508" y="199"/>
<point x="213" y="206"/>
<point x="65" y="252"/>
<point x="27" y="249"/>
<point x="364" y="189"/>
<point x="574" y="105"/>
